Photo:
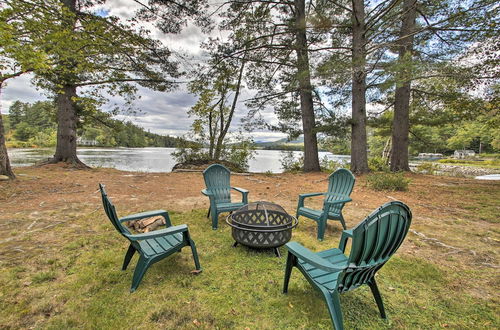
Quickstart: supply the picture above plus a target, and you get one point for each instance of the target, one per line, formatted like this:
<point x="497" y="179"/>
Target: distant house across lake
<point x="461" y="154"/>
<point x="84" y="142"/>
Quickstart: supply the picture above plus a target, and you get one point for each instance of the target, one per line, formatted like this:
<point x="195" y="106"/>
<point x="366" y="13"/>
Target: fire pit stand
<point x="261" y="225"/>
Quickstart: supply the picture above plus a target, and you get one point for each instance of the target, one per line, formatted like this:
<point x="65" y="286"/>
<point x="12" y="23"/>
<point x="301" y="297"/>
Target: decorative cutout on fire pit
<point x="262" y="225"/>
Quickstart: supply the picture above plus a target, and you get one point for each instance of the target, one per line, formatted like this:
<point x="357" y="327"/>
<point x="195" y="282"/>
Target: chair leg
<point x="128" y="256"/>
<point x="290" y="261"/>
<point x="195" y="254"/>
<point x="208" y="214"/>
<point x="333" y="303"/>
<point x="342" y="221"/>
<point x="378" y="297"/>
<point x="321" y="229"/>
<point x="140" y="270"/>
<point x="215" y="219"/>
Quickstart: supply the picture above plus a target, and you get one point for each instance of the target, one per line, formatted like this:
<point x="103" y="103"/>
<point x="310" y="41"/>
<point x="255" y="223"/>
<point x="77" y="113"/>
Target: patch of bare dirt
<point x="444" y="208"/>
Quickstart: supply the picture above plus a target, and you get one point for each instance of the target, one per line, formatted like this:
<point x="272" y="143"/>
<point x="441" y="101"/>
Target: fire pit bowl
<point x="261" y="225"/>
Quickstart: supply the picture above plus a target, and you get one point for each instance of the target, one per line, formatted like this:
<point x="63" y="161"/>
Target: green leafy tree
<point x="218" y="85"/>
<point x="20" y="52"/>
<point x="432" y="36"/>
<point x="93" y="56"/>
<point x="218" y="88"/>
<point x="277" y="39"/>
<point x="16" y="111"/>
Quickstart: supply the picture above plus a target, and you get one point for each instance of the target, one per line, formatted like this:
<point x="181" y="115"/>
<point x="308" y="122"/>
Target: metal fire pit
<point x="261" y="225"/>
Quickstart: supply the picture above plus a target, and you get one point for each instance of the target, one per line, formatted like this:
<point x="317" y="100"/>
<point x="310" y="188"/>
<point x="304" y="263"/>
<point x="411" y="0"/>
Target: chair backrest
<point x="217" y="180"/>
<point x="110" y="210"/>
<point x="374" y="241"/>
<point x="340" y="182"/>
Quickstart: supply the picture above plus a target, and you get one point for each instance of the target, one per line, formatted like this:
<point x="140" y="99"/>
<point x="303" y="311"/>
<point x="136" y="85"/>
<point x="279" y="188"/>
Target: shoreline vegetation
<point x="480" y="165"/>
<point x="60" y="245"/>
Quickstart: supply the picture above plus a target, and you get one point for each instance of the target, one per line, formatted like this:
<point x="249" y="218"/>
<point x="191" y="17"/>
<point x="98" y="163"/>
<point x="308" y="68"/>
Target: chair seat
<point x="325" y="278"/>
<point x="316" y="214"/>
<point x="226" y="207"/>
<point x="310" y="213"/>
<point x="160" y="245"/>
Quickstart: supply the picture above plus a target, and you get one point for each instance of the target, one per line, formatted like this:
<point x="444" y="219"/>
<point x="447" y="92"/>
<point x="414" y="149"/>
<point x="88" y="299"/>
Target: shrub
<point x="46" y="138"/>
<point x="378" y="164"/>
<point x="289" y="163"/>
<point x="427" y="168"/>
<point x="240" y="153"/>
<point x="329" y="165"/>
<point x="453" y="161"/>
<point x="17" y="144"/>
<point x="388" y="181"/>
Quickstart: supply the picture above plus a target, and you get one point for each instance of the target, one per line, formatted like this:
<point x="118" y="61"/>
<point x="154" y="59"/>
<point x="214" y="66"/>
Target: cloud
<point x="19" y="88"/>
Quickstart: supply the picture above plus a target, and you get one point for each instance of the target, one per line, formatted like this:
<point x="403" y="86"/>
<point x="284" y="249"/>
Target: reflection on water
<point x="149" y="159"/>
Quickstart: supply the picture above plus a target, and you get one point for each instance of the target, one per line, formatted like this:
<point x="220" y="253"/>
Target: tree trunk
<point x="359" y="145"/>
<point x="5" y="168"/>
<point x="401" y="121"/>
<point x="66" y="127"/>
<point x="311" y="158"/>
<point x="217" y="149"/>
<point x="225" y="129"/>
<point x="211" y="135"/>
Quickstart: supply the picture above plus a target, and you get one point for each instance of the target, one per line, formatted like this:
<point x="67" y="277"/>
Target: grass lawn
<point x="61" y="258"/>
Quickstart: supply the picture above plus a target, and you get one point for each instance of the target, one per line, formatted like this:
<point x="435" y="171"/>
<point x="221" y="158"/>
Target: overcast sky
<point x="163" y="113"/>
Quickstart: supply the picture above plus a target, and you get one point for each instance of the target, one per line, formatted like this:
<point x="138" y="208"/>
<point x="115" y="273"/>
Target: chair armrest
<point x="304" y="196"/>
<point x="340" y="201"/>
<point x="159" y="233"/>
<point x="206" y="192"/>
<point x="146" y="214"/>
<point x="244" y="194"/>
<point x="312" y="258"/>
<point x="241" y="190"/>
<point x="346" y="234"/>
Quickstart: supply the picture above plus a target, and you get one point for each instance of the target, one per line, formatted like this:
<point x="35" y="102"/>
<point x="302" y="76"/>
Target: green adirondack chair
<point x="152" y="246"/>
<point x="217" y="179"/>
<point x="374" y="241"/>
<point x="340" y="187"/>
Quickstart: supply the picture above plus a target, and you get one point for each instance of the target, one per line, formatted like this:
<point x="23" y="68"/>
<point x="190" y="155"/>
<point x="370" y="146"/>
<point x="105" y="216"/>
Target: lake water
<point x="150" y="159"/>
<point x="489" y="177"/>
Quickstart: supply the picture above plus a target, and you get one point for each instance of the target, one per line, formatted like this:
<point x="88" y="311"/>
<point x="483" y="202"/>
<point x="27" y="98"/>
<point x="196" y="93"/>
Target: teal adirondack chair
<point x="374" y="241"/>
<point x="340" y="187"/>
<point x="152" y="246"/>
<point x="217" y="180"/>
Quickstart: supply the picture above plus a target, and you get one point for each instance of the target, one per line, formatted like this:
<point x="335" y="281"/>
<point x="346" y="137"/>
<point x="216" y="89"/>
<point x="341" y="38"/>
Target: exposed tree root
<point x="73" y="161"/>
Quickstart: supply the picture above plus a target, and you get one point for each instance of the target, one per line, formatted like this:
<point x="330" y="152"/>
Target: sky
<point x="159" y="112"/>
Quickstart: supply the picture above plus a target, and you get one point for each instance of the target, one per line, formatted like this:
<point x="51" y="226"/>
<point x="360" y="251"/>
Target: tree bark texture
<point x="359" y="145"/>
<point x="5" y="168"/>
<point x="311" y="158"/>
<point x="401" y="121"/>
<point x="66" y="127"/>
